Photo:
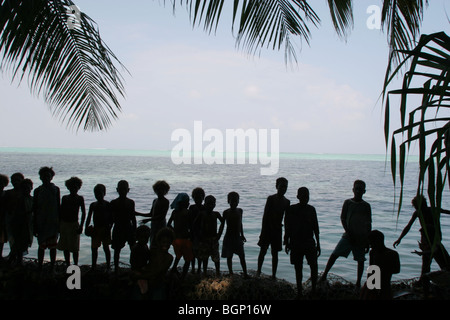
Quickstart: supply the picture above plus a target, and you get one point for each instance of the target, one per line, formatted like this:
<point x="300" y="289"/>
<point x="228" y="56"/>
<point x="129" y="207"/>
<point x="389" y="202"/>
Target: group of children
<point x="192" y="230"/>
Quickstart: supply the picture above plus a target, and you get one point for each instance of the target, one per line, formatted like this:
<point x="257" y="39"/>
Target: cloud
<point x="179" y="84"/>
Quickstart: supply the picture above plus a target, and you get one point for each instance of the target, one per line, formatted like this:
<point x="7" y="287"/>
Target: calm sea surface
<point x="328" y="177"/>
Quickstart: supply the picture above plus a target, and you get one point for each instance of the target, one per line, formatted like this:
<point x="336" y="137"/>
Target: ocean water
<point x="328" y="177"/>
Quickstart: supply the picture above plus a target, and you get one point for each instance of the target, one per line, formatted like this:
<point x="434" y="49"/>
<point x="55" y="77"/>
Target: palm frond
<point x="259" y="23"/>
<point x="428" y="123"/>
<point x="401" y="20"/>
<point x="72" y="68"/>
<point x="342" y="16"/>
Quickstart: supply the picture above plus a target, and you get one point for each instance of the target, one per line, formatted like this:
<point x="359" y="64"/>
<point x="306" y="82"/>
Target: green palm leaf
<point x="71" y="67"/>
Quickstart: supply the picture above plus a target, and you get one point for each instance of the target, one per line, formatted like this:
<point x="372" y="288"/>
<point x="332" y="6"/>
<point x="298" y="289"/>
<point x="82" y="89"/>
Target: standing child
<point x="159" y="209"/>
<point x="159" y="263"/>
<point x="100" y="212"/>
<point x="182" y="244"/>
<point x="233" y="241"/>
<point x="4" y="181"/>
<point x="124" y="221"/>
<point x="46" y="209"/>
<point x="301" y="228"/>
<point x="70" y="227"/>
<point x="139" y="256"/>
<point x="356" y="218"/>
<point x="11" y="202"/>
<point x="272" y="225"/>
<point x="209" y="240"/>
<point x="198" y="195"/>
<point x="21" y="230"/>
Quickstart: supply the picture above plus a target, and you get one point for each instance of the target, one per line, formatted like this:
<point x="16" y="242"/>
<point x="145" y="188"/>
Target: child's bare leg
<point x="243" y="264"/>
<point x="230" y="265"/>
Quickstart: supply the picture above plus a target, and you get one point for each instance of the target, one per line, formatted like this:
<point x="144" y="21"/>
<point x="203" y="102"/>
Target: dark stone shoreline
<point x="28" y="283"/>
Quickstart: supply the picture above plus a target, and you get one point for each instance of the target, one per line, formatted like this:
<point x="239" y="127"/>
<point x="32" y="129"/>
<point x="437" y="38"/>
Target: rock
<point x="28" y="282"/>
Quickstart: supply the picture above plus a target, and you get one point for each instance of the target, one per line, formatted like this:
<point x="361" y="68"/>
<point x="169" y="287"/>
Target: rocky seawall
<point x="27" y="282"/>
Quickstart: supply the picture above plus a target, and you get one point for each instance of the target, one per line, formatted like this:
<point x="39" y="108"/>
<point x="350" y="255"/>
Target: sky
<point x="328" y="102"/>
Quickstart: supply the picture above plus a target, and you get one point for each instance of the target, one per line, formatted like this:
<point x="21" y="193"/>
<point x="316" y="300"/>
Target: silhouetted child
<point x="182" y="244"/>
<point x="11" y="202"/>
<point x="139" y="256"/>
<point x="159" y="263"/>
<point x="100" y="232"/>
<point x="388" y="261"/>
<point x="272" y="225"/>
<point x="46" y="209"/>
<point x="21" y="224"/>
<point x="301" y="226"/>
<point x="70" y="226"/>
<point x="124" y="221"/>
<point x="233" y="241"/>
<point x="4" y="181"/>
<point x="160" y="207"/>
<point x="209" y="240"/>
<point x="356" y="218"/>
<point x="430" y="237"/>
<point x="198" y="195"/>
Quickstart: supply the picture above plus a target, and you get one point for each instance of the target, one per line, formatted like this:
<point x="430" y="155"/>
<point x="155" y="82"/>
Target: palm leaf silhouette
<point x="68" y="64"/>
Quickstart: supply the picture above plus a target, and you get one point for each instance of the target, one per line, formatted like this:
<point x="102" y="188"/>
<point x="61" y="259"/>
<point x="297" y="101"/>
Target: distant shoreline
<point x="167" y="153"/>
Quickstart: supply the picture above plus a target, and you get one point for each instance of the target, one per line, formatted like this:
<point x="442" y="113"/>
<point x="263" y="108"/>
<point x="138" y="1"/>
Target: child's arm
<point x="287" y="231"/>
<point x="169" y="222"/>
<point x="58" y="199"/>
<point x="316" y="232"/>
<point x="221" y="220"/>
<point x="222" y="225"/>
<point x="133" y="215"/>
<point x="344" y="215"/>
<point x="406" y="229"/>
<point x="242" y="228"/>
<point x="150" y="214"/>
<point x="89" y="216"/>
<point x="83" y="214"/>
